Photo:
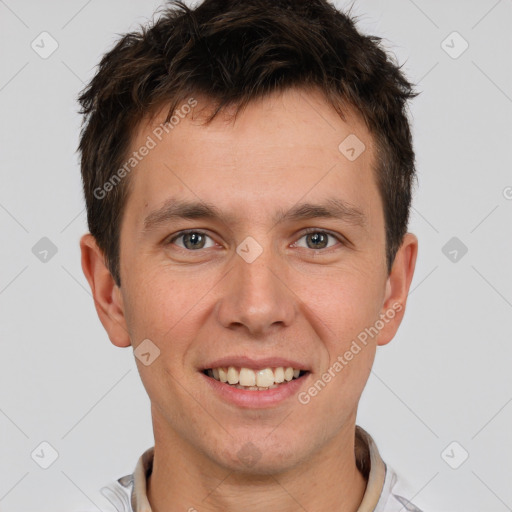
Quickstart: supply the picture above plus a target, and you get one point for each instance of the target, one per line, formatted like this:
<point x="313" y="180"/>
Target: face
<point x="251" y="272"/>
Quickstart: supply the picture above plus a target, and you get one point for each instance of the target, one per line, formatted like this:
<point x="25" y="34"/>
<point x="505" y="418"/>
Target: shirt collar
<point x="368" y="461"/>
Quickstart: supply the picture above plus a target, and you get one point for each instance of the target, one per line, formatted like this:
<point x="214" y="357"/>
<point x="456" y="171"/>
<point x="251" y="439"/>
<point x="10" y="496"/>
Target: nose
<point x="256" y="297"/>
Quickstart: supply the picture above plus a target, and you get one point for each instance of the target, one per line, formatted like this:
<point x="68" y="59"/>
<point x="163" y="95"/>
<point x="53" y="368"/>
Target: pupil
<point x="315" y="237"/>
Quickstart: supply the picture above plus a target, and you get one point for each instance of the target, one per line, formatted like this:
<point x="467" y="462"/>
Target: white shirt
<point x="384" y="491"/>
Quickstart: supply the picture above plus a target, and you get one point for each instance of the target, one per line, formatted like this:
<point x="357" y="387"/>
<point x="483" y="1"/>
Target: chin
<point x="253" y="458"/>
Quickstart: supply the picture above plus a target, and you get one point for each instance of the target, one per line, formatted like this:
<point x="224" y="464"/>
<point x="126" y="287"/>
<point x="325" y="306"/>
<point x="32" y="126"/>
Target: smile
<point x="253" y="396"/>
<point x="254" y="380"/>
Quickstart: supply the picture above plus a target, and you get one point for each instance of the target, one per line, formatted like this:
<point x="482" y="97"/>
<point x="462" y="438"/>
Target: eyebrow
<point x="331" y="208"/>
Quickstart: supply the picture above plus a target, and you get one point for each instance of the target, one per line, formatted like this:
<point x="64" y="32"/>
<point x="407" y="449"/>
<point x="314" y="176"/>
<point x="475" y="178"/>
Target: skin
<point x="293" y="301"/>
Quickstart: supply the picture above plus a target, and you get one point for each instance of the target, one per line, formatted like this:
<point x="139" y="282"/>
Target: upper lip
<point x="254" y="364"/>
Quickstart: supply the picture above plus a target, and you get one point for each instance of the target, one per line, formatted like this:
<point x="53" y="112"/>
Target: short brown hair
<point x="232" y="52"/>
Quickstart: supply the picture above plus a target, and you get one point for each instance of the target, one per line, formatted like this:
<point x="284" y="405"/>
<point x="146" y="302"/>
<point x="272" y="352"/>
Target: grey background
<point x="446" y="375"/>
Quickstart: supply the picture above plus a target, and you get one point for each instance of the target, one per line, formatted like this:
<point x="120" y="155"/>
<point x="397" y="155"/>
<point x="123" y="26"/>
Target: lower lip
<point x="255" y="399"/>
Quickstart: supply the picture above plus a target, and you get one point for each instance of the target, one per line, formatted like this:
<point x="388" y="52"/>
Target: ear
<point x="106" y="294"/>
<point x="397" y="288"/>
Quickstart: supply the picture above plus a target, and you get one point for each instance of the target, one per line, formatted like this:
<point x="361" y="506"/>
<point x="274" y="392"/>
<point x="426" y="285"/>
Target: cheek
<point x="169" y="309"/>
<point x="350" y="350"/>
<point x="345" y="301"/>
<point x="156" y="287"/>
<point x="343" y="311"/>
<point x="153" y="304"/>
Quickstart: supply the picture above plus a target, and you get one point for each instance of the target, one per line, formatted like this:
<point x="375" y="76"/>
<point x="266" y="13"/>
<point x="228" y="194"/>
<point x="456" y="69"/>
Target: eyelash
<point x="306" y="232"/>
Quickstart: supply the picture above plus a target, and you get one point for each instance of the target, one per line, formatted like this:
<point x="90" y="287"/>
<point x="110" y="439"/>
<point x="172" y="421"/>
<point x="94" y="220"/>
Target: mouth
<point x="249" y="379"/>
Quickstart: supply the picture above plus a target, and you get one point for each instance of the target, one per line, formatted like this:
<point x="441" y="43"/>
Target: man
<point x="247" y="168"/>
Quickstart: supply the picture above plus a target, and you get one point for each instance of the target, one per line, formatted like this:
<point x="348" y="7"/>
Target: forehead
<point x="281" y="119"/>
<point x="275" y="150"/>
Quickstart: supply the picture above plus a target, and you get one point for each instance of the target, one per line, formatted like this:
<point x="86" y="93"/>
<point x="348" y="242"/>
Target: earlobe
<point x="397" y="288"/>
<point x="107" y="297"/>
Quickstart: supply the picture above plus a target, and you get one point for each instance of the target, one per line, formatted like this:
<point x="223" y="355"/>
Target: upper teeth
<point x="261" y="378"/>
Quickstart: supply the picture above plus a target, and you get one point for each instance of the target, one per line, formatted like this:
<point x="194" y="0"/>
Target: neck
<point x="184" y="480"/>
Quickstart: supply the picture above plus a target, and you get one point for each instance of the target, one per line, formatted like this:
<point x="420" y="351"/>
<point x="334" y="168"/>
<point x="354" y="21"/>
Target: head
<point x="287" y="129"/>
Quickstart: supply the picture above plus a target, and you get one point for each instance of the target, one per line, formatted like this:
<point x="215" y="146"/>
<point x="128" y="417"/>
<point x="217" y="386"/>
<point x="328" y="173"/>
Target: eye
<point x="192" y="240"/>
<point x="317" y="240"/>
